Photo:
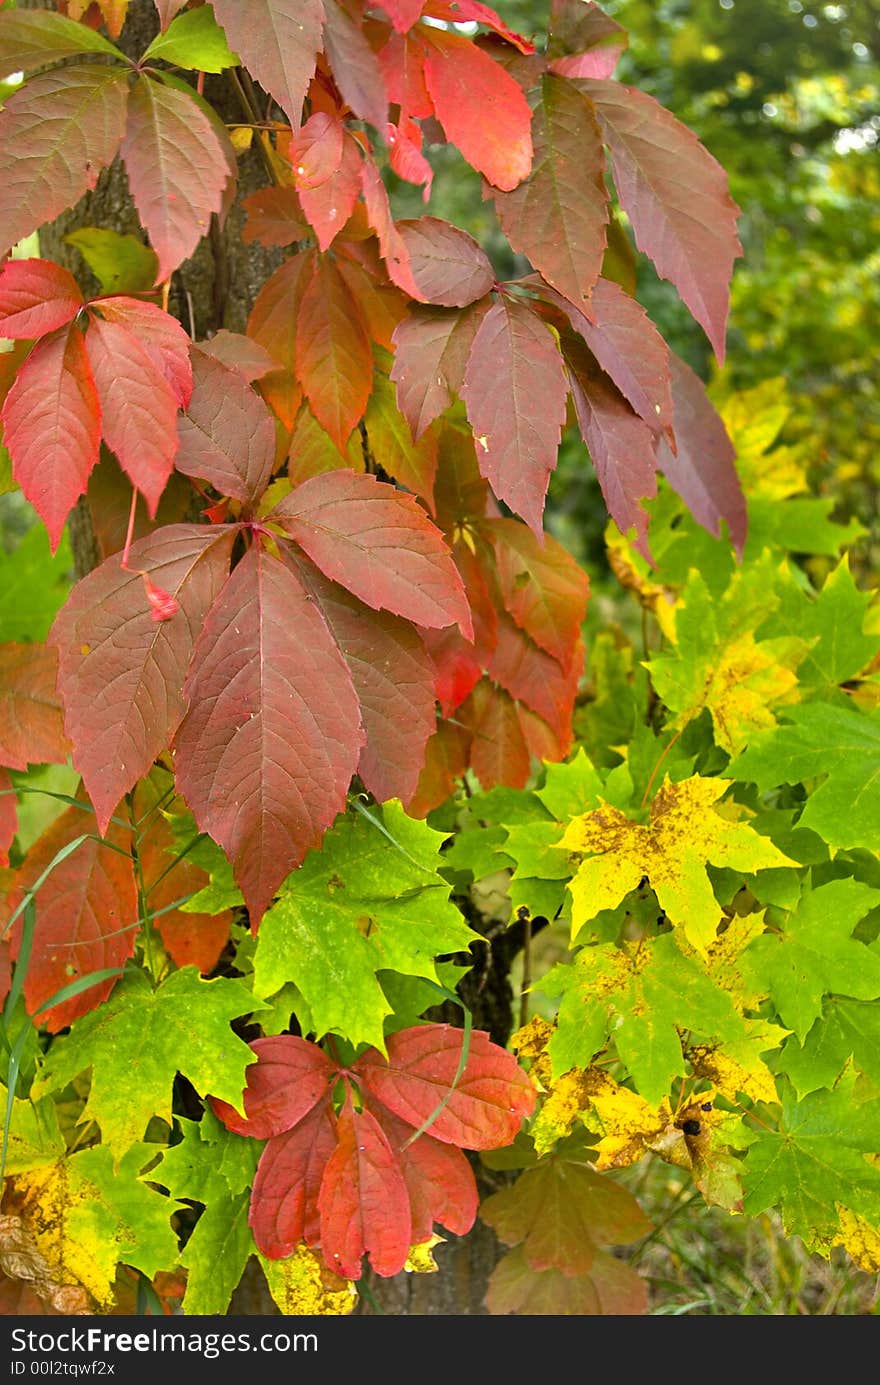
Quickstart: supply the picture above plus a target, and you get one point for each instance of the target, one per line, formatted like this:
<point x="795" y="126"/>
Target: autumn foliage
<point x="333" y="604"/>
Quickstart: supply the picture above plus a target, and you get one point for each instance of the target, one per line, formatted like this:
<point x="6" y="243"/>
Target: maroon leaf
<point x="557" y="217"/>
<point x="447" y="264"/>
<point x="334" y="362"/>
<point x="284" y="1199"/>
<point x="676" y="197"/>
<point x="446" y="759"/>
<point x="274" y="217"/>
<point x="363" y="1200"/>
<point x="56" y="135"/>
<point x="483" y="1110"/>
<point x="120" y="671"/>
<point x="379" y="544"/>
<point x="86" y="915"/>
<point x="354" y="65"/>
<point x="394" y="680"/>
<point x="36" y="297"/>
<point x="576" y="25"/>
<point x="227" y="436"/>
<point x="288" y="1079"/>
<point x="328" y="207"/>
<point x="391" y="243"/>
<point x="542" y="586"/>
<point x="702" y="470"/>
<point x="515" y="393"/>
<point x="272" y="736"/>
<point x="431" y="351"/>
<point x="159" y="333"/>
<point x="499" y="752"/>
<point x="138" y="407"/>
<point x="279" y="41"/>
<point x="481" y="108"/>
<point x="52" y="428"/>
<point x="622" y="447"/>
<point x="176" y="169"/>
<point x="534" y="677"/>
<point x="31" y="719"/>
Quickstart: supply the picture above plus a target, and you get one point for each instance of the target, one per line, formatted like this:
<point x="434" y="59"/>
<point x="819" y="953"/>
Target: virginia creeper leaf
<point x="378" y="543"/>
<point x="36" y="296"/>
<point x="8" y="829"/>
<point x="274" y="217"/>
<point x="542" y="586"/>
<point x="284" y="1202"/>
<point x="328" y="206"/>
<point x="275" y="314"/>
<point x="447" y="264"/>
<point x="138" y="407"/>
<point x="557" y="217"/>
<point x="272" y="736"/>
<point x="193" y="39"/>
<point x="120" y="671"/>
<point x="499" y="751"/>
<point x="286" y="1082"/>
<point x="140" y="1038"/>
<point x="413" y="464"/>
<point x="439" y="1180"/>
<point x="120" y="263"/>
<point x="515" y="391"/>
<point x="51" y="426"/>
<point x="431" y="351"/>
<point x="611" y="1287"/>
<point x="31" y="718"/>
<point x="354" y="65"/>
<point x="227" y="436"/>
<point x="363" y="1200"/>
<point x="159" y="333"/>
<point x="30" y="41"/>
<point x="485" y="1107"/>
<point x="481" y="108"/>
<point x="334" y="363"/>
<point x="676" y="197"/>
<point x="56" y="135"/>
<point x="176" y="169"/>
<point x="278" y="41"/>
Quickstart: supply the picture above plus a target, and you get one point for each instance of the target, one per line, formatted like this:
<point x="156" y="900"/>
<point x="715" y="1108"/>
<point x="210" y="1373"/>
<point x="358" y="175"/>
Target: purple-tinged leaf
<point x="227" y="435"/>
<point x="272" y="737"/>
<point x="448" y="266"/>
<point x="120" y="671"/>
<point x="515" y="393"/>
<point x="355" y="66"/>
<point x="279" y="41"/>
<point x="432" y="346"/>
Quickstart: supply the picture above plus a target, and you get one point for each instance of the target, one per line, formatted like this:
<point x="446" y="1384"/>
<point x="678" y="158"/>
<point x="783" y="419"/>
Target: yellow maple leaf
<point x="302" y="1285"/>
<point x="736" y="1065"/>
<point x="421" y="1257"/>
<point x="54" y="1208"/>
<point x="684" y="834"/>
<point x="860" y="1240"/>
<point x="746" y="679"/>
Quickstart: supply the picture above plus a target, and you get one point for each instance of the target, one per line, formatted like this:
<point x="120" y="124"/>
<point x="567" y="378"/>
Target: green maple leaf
<point x="814" y="1162"/>
<point x="642" y="997"/>
<point x="815" y="953"/>
<point x="847" y="1029"/>
<point x="838" y="743"/>
<point x="832" y="622"/>
<point x="369" y="900"/>
<point x="672" y="850"/>
<point x="138" y="1040"/>
<point x="215" y="1167"/>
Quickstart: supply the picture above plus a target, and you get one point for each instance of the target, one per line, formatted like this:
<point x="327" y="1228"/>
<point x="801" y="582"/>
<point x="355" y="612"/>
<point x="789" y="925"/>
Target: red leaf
<point x="446" y="759"/>
<point x="8" y="829"/>
<point x="405" y="155"/>
<point x="621" y="444"/>
<point x="238" y="352"/>
<point x="36" y="296"/>
<point x="56" y="135"/>
<point x="402" y="60"/>
<point x="542" y="586"/>
<point x="394" y="680"/>
<point x="598" y="62"/>
<point x="288" y="1079"/>
<point x="470" y="11"/>
<point x="391" y="242"/>
<point x="355" y="66"/>
<point x="274" y="217"/>
<point x="403" y="13"/>
<point x="431" y="351"/>
<point x="272" y="737"/>
<point x="534" y="677"/>
<point x="52" y="428"/>
<point x="227" y="435"/>
<point x="138" y="408"/>
<point x="316" y="150"/>
<point x="558" y="217"/>
<point x="515" y="393"/>
<point x="334" y="362"/>
<point x="176" y="169"/>
<point x="86" y="916"/>
<point x="363" y="1200"/>
<point x="378" y="543"/>
<point x="275" y="314"/>
<point x="485" y="1108"/>
<point x="702" y="470"/>
<point x="31" y="722"/>
<point x="676" y="197"/>
<point x="439" y="1180"/>
<point x="499" y="751"/>
<point x="382" y="305"/>
<point x="284" y="1199"/>
<point x="283" y="395"/>
<point x="279" y="41"/>
<point x="328" y="207"/>
<point x="120" y="672"/>
<point x="457" y="667"/>
<point x="159" y="333"/>
<point x="447" y="264"/>
<point x="481" y="108"/>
